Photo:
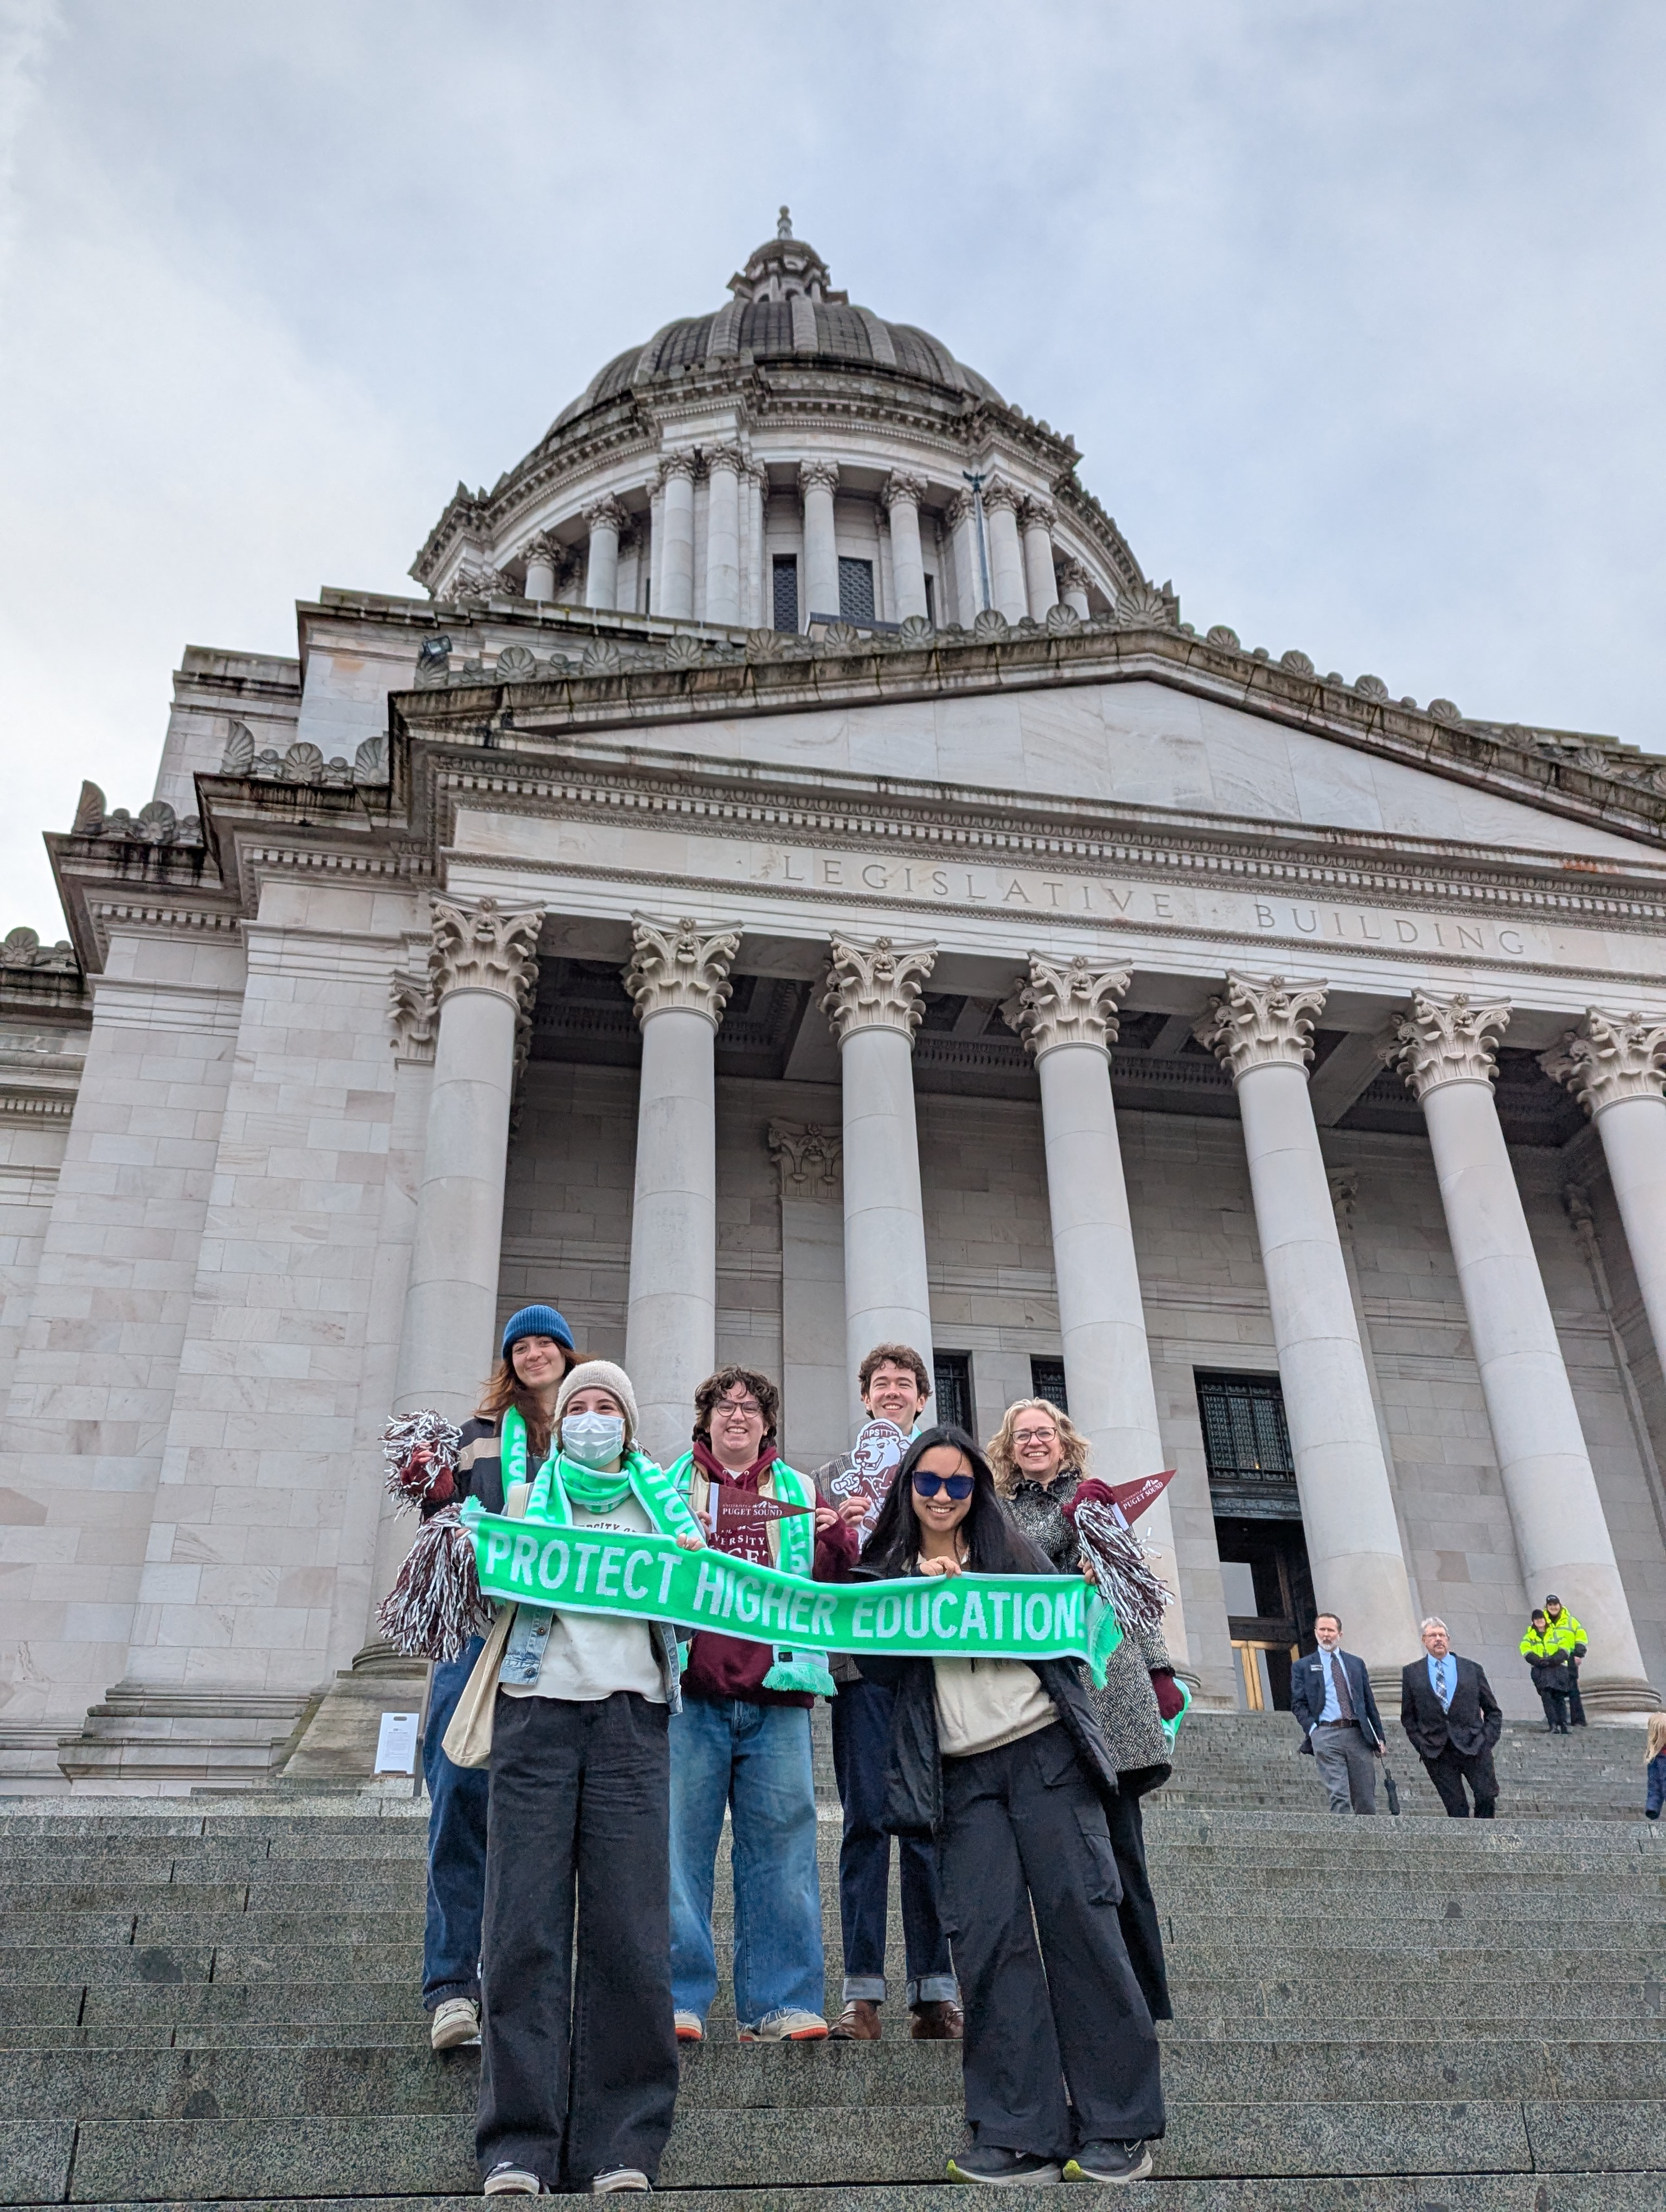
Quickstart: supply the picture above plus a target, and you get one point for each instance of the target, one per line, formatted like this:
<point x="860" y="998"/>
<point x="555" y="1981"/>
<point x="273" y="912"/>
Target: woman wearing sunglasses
<point x="1004" y="1764"/>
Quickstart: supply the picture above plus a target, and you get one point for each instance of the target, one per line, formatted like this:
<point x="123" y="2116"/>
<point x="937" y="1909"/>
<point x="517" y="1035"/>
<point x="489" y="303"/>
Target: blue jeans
<point x="861" y="1752"/>
<point x="754" y="1759"/>
<point x="456" y="1846"/>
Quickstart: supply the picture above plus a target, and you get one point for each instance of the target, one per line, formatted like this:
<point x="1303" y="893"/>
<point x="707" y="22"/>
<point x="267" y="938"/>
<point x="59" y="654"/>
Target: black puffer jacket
<point x="914" y="1779"/>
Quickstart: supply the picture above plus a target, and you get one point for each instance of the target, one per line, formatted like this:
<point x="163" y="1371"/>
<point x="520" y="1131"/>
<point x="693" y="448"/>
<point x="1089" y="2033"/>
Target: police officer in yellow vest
<point x="1552" y="1670"/>
<point x="1572" y="1636"/>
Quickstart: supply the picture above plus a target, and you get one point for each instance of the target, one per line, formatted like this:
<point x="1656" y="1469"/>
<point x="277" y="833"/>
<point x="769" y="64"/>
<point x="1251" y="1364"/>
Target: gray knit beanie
<point x="600" y="1375"/>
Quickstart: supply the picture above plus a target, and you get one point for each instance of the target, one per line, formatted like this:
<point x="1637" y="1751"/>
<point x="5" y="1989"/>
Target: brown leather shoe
<point x="937" y="2020"/>
<point x="858" y="2023"/>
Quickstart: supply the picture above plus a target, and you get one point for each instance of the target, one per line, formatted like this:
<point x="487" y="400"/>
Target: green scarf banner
<point x="652" y="1578"/>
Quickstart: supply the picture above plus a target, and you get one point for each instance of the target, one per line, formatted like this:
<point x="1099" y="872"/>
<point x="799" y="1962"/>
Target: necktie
<point x="1444" y="1686"/>
<point x="1339" y="1682"/>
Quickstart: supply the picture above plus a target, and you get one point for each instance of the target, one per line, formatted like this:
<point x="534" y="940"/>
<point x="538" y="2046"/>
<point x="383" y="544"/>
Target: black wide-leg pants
<point x="1025" y="1831"/>
<point x="578" y="2070"/>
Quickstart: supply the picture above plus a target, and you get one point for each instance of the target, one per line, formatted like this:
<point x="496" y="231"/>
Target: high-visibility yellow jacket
<point x="1542" y="1650"/>
<point x="1567" y="1632"/>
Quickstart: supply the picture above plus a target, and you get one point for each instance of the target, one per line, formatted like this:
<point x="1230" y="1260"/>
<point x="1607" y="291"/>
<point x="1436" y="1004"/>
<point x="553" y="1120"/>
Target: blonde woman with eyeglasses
<point x="1040" y="1459"/>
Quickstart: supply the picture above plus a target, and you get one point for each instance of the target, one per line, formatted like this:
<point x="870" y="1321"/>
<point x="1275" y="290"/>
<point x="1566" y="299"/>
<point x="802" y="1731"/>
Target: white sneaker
<point x="457" y="2020"/>
<point x="619" y="2178"/>
<point x="689" y="2027"/>
<point x="790" y="2026"/>
<point x="508" y="2179"/>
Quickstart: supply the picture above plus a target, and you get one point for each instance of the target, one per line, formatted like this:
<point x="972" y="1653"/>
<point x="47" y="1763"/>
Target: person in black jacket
<point x="1004" y="1765"/>
<point x="1452" y="1720"/>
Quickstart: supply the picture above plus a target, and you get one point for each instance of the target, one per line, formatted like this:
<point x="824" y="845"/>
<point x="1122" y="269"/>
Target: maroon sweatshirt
<point x="731" y="1666"/>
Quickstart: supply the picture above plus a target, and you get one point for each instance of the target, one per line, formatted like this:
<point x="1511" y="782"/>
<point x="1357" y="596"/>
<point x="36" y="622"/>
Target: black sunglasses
<point x="957" y="1485"/>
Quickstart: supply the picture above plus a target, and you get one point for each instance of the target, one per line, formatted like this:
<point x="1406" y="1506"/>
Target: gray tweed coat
<point x="1126" y="1709"/>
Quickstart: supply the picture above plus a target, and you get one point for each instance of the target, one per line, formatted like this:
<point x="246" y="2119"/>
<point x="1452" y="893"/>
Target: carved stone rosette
<point x="680" y="966"/>
<point x="809" y="1159"/>
<point x="481" y="948"/>
<point x="818" y="476"/>
<point x="1262" y="1023"/>
<point x="410" y="1015"/>
<point x="1070" y="1005"/>
<point x="901" y="489"/>
<point x="876" y="987"/>
<point x="1609" y="1057"/>
<point x="1447" y="1040"/>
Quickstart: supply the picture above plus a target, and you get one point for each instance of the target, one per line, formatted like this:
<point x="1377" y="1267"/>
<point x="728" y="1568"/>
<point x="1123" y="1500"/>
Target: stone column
<point x="1076" y="588"/>
<point x="1066" y="1016"/>
<point x="543" y="556"/>
<point x="724" y="466"/>
<point x="1040" y="581"/>
<point x="673" y="554"/>
<point x="874" y="1001"/>
<point x="1446" y="1051"/>
<point x="1615" y="1066"/>
<point x="818" y="481"/>
<point x="902" y="496"/>
<point x="607" y="519"/>
<point x="961" y="517"/>
<point x="815" y="1381"/>
<point x="1263" y="1032"/>
<point x="1007" y="585"/>
<point x="756" y="610"/>
<point x="482" y="968"/>
<point x="678" y="976"/>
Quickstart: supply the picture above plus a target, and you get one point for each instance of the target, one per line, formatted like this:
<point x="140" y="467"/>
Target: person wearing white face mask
<point x="578" y="2077"/>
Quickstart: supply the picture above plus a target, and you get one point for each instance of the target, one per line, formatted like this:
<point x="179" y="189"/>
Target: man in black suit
<point x="1330" y="1696"/>
<point x="1448" y="1711"/>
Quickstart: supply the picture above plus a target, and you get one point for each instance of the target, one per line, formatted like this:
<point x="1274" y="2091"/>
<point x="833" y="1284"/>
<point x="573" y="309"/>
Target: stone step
<point x="272" y="2081"/>
<point x="1606" y="2191"/>
<point x="425" y="2154"/>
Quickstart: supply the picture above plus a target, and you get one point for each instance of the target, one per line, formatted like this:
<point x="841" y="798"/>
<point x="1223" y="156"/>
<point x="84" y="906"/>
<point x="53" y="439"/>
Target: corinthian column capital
<point x="1262" y="1023"/>
<point x="480" y="948"/>
<point x="608" y="514"/>
<point x="818" y="476"/>
<point x="1038" y="514"/>
<point x="675" y="464"/>
<point x="901" y="489"/>
<point x="679" y="964"/>
<point x="877" y="986"/>
<point x="725" y="457"/>
<point x="1447" y="1040"/>
<point x="999" y="493"/>
<point x="1067" y="1005"/>
<point x="809" y="1159"/>
<point x="411" y="1012"/>
<point x="1609" y="1057"/>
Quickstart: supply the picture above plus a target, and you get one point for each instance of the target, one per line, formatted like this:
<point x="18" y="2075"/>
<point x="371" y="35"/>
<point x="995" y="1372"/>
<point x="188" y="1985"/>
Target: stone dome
<point x="782" y="308"/>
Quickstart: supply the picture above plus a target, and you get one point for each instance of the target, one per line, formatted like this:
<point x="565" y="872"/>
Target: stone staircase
<point x="216" y="2002"/>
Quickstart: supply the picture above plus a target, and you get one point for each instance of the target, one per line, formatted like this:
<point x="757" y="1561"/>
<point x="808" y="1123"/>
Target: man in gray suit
<point x="1330" y="1696"/>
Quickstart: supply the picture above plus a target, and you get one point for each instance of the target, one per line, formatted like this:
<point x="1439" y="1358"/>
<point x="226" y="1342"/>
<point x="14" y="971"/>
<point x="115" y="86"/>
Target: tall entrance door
<point x="1264" y="1569"/>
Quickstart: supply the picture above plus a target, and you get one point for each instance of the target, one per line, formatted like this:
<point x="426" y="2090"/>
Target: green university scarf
<point x="561" y="1484"/>
<point x="542" y="1562"/>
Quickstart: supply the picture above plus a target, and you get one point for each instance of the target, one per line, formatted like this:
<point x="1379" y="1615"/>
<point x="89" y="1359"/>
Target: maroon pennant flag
<point x="744" y="1509"/>
<point x="1133" y="1498"/>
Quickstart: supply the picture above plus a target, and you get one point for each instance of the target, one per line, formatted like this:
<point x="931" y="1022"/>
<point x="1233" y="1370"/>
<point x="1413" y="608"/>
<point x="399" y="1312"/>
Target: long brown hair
<point x="503" y="1388"/>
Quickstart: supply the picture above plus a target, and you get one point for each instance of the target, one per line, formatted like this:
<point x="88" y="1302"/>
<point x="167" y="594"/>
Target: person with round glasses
<point x="1040" y="1459"/>
<point x="1003" y="1763"/>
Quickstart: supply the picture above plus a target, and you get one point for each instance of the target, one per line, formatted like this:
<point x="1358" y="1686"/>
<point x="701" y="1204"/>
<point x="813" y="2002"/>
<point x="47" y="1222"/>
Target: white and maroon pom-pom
<point x="435" y="1606"/>
<point x="1117" y="1558"/>
<point x="421" y="1451"/>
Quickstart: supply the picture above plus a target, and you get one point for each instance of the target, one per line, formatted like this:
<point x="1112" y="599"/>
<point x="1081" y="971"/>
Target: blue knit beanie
<point x="537" y="1320"/>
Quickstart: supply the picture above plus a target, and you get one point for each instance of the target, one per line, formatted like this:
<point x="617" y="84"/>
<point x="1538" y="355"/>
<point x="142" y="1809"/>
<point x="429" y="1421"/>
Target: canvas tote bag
<point x="468" y="1740"/>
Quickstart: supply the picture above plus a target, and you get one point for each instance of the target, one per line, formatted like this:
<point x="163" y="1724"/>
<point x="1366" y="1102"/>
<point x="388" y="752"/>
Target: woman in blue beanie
<point x="536" y="1354"/>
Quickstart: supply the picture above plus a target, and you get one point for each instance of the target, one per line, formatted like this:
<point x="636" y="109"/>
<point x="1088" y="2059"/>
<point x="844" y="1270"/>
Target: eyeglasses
<point x="1035" y="1436"/>
<point x="957" y="1485"/>
<point x="738" y="1406"/>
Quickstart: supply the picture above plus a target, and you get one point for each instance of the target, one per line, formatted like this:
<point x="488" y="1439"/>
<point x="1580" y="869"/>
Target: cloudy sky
<point x="1355" y="311"/>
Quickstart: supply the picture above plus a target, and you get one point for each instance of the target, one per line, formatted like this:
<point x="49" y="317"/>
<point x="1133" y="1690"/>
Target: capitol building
<point x="786" y="879"/>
